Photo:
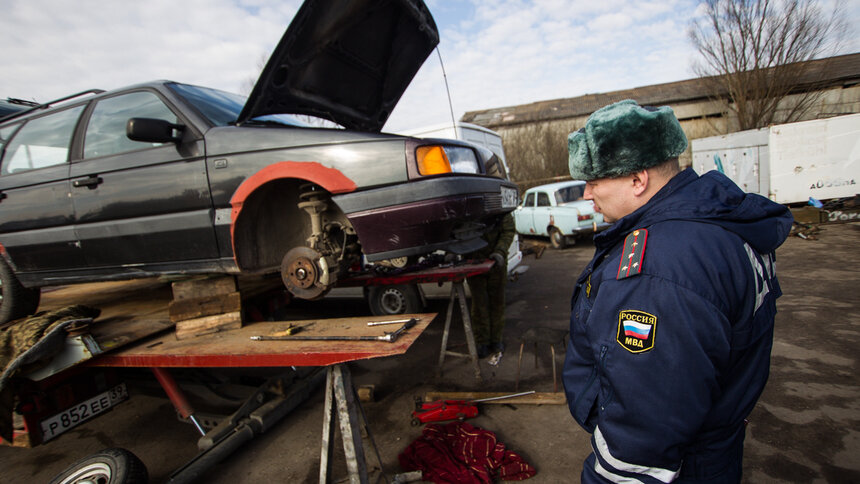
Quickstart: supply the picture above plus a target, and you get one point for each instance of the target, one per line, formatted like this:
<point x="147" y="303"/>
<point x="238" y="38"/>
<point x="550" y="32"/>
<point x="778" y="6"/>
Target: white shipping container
<point x="788" y="163"/>
<point x="819" y="159"/>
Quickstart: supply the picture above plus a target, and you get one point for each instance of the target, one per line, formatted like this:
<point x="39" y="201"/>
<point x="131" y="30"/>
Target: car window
<point x="572" y="193"/>
<point x="543" y="200"/>
<point x="530" y="200"/>
<point x="6" y="133"/>
<point x="106" y="133"/>
<point x="41" y="142"/>
<point x="223" y="108"/>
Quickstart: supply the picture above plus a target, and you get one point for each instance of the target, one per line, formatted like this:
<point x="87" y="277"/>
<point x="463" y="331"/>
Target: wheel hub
<point x="302" y="274"/>
<point x="393" y="302"/>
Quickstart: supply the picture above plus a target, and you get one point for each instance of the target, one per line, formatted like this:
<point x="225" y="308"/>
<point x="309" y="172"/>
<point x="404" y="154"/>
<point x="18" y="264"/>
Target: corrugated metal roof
<point x="840" y="69"/>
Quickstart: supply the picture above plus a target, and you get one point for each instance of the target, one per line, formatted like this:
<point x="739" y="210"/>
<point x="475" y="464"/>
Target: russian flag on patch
<point x="637" y="330"/>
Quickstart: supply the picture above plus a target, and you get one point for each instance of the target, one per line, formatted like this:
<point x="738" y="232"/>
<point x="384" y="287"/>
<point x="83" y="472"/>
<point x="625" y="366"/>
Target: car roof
<point x="12" y="106"/>
<point x="34" y="108"/>
<point x="550" y="187"/>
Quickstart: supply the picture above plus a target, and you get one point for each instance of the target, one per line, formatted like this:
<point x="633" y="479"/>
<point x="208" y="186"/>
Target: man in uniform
<point x="672" y="321"/>
<point x="488" y="289"/>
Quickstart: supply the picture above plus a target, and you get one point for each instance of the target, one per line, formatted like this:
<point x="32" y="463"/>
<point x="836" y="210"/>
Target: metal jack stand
<point x="458" y="292"/>
<point x="340" y="403"/>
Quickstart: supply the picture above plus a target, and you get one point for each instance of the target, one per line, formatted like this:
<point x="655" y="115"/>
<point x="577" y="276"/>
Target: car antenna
<point x="448" y="91"/>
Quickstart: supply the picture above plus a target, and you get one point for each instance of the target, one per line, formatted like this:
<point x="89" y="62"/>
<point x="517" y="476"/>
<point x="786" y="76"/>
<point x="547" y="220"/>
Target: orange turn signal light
<point x="432" y="160"/>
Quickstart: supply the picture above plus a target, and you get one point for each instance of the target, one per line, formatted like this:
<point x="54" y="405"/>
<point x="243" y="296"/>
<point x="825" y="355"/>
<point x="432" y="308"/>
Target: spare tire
<point x="399" y="299"/>
<point x="110" y="466"/>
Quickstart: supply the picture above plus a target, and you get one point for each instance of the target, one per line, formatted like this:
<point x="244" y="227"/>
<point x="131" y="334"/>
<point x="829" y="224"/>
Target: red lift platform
<point x="141" y="308"/>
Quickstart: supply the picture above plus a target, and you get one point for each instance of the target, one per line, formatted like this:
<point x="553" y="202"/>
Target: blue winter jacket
<point x="670" y="336"/>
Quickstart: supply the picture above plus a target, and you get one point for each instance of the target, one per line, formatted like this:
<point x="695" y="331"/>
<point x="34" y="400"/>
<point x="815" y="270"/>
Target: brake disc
<point x="302" y="274"/>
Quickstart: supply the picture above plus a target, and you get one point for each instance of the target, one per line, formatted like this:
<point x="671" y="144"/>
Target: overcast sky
<point x="495" y="52"/>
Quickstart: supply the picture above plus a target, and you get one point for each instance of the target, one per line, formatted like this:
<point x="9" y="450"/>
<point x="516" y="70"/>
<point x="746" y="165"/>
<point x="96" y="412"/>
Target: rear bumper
<point x="444" y="213"/>
<point x="593" y="228"/>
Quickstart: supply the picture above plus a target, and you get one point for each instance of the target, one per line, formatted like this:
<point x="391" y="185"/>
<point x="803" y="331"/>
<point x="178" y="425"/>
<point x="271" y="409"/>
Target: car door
<point x="524" y="215"/>
<point x="542" y="213"/>
<point x="36" y="215"/>
<point x="140" y="203"/>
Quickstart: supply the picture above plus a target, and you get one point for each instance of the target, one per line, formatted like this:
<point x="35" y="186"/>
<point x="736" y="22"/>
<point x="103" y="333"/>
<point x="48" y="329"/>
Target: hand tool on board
<point x="389" y="337"/>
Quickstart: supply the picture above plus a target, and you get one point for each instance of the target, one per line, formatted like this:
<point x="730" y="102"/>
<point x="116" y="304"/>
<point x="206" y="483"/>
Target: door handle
<point x="3" y="196"/>
<point x="90" y="182"/>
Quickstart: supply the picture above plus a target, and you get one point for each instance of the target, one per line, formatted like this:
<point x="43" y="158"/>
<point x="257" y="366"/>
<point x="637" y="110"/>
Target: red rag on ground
<point x="462" y="453"/>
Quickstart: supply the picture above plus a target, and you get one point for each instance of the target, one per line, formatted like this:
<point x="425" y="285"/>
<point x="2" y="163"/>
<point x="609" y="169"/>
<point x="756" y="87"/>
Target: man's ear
<point x="640" y="182"/>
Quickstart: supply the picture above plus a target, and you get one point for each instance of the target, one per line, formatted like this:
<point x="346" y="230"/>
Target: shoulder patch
<point x="633" y="253"/>
<point x="637" y="330"/>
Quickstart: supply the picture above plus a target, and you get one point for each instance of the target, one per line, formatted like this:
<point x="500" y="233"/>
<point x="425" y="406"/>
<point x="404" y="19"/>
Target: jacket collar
<point x="628" y="223"/>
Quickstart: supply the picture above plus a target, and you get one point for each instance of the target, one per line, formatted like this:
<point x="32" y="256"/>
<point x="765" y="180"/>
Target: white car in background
<point x="558" y="211"/>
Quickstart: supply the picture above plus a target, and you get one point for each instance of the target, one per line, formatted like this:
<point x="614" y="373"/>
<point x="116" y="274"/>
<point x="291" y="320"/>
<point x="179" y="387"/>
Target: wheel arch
<point x="265" y="218"/>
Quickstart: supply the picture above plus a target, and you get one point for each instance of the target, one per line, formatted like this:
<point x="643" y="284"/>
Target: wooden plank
<point x="117" y="332"/>
<point x="530" y="399"/>
<point x="208" y="325"/>
<point x="203" y="287"/>
<point x="235" y="348"/>
<point x="183" y="309"/>
<point x="130" y="310"/>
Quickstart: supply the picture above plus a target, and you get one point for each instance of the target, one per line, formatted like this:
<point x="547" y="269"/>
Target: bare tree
<point x="537" y="153"/>
<point x="755" y="53"/>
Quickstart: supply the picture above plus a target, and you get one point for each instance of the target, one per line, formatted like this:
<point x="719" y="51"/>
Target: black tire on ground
<point x="110" y="466"/>
<point x="400" y="299"/>
<point x="16" y="301"/>
<point x="557" y="239"/>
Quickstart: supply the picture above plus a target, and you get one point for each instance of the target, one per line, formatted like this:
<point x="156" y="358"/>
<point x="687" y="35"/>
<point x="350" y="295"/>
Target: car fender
<point x="564" y="220"/>
<point x="329" y="179"/>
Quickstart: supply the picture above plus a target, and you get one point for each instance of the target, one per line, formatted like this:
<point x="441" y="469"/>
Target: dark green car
<point x="170" y="178"/>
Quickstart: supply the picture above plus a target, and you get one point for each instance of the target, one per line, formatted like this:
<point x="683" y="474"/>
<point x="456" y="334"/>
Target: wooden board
<point x="130" y="310"/>
<point x="236" y="349"/>
<point x="203" y="287"/>
<point x="183" y="309"/>
<point x="192" y="328"/>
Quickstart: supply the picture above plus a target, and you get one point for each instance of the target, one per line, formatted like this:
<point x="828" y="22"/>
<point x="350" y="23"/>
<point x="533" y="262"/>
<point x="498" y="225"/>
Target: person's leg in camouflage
<point x="480" y="313"/>
<point x="496" y="280"/>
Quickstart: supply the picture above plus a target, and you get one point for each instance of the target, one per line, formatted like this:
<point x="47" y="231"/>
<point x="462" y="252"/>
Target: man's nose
<point x="587" y="194"/>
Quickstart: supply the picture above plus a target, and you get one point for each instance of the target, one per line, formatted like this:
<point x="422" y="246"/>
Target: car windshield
<point x="222" y="108"/>
<point x="569" y="194"/>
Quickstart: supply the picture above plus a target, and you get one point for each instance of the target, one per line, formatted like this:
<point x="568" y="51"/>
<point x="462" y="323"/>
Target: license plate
<point x="82" y="411"/>
<point x="509" y="197"/>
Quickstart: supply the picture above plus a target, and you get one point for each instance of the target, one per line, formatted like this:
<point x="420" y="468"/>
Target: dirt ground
<point x="805" y="428"/>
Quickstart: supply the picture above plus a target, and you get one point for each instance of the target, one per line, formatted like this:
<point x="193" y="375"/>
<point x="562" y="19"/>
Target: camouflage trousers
<point x="488" y="305"/>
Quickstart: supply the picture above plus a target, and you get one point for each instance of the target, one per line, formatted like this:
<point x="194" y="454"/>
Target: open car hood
<point x="348" y="61"/>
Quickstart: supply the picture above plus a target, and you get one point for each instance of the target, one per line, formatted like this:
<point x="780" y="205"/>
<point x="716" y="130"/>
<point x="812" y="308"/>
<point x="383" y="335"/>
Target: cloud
<point x="496" y="52"/>
<point x="87" y="43"/>
<point x="518" y="52"/>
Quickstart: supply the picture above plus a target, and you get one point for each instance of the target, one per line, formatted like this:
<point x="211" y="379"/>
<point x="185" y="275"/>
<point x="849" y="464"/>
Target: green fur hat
<point x="624" y="138"/>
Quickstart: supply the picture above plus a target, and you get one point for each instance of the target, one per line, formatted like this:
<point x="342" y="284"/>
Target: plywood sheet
<point x="235" y="348"/>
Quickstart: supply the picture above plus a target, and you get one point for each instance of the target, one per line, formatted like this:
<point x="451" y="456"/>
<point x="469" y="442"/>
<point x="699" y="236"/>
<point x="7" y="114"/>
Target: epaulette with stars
<point x="633" y="253"/>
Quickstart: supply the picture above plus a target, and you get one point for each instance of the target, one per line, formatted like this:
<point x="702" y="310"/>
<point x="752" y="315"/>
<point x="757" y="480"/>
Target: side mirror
<point x="153" y="130"/>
